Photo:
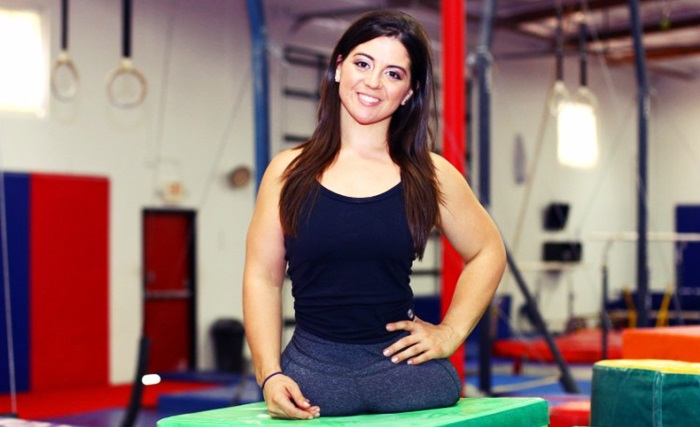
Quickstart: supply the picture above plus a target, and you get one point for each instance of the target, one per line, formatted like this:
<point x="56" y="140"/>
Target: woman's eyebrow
<point x="370" y="57"/>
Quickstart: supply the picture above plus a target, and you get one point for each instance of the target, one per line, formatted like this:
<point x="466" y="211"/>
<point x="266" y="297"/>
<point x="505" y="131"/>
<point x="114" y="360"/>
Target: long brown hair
<point x="410" y="135"/>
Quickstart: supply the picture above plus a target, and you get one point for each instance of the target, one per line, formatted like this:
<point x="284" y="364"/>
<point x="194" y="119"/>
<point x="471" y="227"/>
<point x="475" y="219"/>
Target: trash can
<point x="228" y="345"/>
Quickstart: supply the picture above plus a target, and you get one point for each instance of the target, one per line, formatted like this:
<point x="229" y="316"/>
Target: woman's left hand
<point x="425" y="342"/>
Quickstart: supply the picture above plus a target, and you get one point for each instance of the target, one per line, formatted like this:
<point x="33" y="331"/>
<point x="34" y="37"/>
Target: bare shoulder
<point x="448" y="176"/>
<point x="272" y="177"/>
<point x="281" y="161"/>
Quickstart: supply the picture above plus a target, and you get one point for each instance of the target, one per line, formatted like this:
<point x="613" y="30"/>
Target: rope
<point x="162" y="99"/>
<point x="238" y="100"/>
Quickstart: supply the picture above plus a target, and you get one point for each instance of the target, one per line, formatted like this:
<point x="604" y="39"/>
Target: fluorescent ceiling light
<point x="23" y="73"/>
<point x="577" y="135"/>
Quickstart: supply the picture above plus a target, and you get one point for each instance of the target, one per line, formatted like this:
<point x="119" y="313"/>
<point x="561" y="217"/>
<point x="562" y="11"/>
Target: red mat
<point x="570" y="414"/>
<point x="583" y="346"/>
<point x="57" y="403"/>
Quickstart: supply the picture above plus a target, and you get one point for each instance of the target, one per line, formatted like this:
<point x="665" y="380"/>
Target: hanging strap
<point x="64" y="69"/>
<point x="64" y="25"/>
<point x="583" y="53"/>
<point x="560" y="43"/>
<point x="126" y="74"/>
<point x="126" y="28"/>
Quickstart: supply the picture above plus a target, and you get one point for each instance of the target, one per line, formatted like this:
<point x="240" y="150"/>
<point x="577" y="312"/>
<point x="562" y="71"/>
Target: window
<point x="23" y="75"/>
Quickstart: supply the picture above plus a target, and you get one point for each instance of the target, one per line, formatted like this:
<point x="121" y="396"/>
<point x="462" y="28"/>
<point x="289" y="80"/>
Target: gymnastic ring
<point x="64" y="62"/>
<point x="126" y="69"/>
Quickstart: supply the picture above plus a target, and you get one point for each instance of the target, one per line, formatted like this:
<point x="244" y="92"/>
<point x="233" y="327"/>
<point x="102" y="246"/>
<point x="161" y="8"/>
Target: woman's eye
<point x="395" y="75"/>
<point x="362" y="64"/>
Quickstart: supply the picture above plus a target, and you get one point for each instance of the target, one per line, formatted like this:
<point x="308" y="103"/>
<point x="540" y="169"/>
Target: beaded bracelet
<point x="262" y="386"/>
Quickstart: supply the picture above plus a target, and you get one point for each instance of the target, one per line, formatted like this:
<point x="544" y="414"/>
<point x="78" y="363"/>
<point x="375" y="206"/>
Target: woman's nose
<point x="373" y="79"/>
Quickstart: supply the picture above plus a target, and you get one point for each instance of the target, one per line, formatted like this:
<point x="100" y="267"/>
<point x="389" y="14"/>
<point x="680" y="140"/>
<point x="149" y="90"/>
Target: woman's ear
<point x="338" y="63"/>
<point x="407" y="97"/>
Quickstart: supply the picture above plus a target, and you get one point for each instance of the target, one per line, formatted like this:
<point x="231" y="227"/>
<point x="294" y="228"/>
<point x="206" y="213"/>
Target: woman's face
<point x="375" y="78"/>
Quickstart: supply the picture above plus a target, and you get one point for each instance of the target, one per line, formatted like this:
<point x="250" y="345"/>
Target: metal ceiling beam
<point x="653" y="54"/>
<point x="536" y="14"/>
<point x="648" y="28"/>
<point x="304" y="18"/>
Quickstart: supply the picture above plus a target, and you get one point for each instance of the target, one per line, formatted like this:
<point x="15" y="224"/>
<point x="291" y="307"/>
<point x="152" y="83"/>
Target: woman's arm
<point x="470" y="230"/>
<point x="263" y="278"/>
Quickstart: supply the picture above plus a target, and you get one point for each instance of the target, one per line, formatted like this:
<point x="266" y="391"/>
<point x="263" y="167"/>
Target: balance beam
<point x="468" y="412"/>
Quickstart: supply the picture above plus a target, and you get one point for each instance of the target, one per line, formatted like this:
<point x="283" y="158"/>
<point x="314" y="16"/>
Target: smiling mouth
<point x="366" y="99"/>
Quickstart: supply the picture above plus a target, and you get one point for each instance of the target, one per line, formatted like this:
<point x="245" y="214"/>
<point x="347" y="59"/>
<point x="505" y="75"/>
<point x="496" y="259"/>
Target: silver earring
<point x="337" y="76"/>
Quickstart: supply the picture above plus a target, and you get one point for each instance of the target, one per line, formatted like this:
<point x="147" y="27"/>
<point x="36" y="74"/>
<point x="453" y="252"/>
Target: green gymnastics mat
<point x="645" y="393"/>
<point x="468" y="412"/>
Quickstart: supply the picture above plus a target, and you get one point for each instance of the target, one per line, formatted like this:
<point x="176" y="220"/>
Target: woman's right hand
<point x="284" y="400"/>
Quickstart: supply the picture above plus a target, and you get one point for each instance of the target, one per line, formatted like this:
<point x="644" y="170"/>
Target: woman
<point x="345" y="214"/>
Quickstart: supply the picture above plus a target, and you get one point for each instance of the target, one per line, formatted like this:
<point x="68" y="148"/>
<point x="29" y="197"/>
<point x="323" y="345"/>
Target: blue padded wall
<point x="16" y="205"/>
<point x="688" y="221"/>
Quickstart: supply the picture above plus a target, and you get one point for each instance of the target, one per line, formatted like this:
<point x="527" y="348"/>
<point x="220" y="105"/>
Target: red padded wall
<point x="69" y="281"/>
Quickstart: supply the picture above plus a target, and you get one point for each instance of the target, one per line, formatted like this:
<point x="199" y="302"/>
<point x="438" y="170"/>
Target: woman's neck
<point x="370" y="138"/>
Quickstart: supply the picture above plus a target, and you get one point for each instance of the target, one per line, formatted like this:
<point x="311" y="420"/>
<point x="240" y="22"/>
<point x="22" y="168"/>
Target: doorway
<point x="169" y="289"/>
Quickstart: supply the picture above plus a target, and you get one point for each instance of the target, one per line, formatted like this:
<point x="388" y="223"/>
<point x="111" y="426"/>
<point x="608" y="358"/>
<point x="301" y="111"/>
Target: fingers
<point x="403" y="325"/>
<point x="412" y="354"/>
<point x="285" y="400"/>
<point x="408" y="347"/>
<point x="425" y="342"/>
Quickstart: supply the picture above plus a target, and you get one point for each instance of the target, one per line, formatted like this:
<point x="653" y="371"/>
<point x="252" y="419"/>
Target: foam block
<point x="469" y="412"/>
<point x="671" y="343"/>
<point x="645" y="393"/>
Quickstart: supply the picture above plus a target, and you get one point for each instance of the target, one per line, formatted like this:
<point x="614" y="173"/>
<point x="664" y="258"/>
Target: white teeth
<point x="368" y="99"/>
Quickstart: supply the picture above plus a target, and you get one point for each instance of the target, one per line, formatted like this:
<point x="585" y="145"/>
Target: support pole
<point x="566" y="379"/>
<point x="483" y="67"/>
<point x="132" y="411"/>
<point x="258" y="32"/>
<point x="643" y="300"/>
<point x="453" y="93"/>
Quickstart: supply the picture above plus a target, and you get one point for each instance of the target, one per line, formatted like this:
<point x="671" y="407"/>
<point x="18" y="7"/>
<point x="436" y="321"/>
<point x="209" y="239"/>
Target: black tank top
<point x="350" y="266"/>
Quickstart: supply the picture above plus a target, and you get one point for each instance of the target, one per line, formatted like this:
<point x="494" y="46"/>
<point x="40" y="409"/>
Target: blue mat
<point x="213" y="398"/>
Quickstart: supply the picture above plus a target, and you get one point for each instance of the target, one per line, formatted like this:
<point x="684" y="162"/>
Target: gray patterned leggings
<point x="347" y="379"/>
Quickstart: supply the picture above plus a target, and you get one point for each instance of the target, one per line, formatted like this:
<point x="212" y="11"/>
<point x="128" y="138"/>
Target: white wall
<point x="197" y="124"/>
<point x="602" y="199"/>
